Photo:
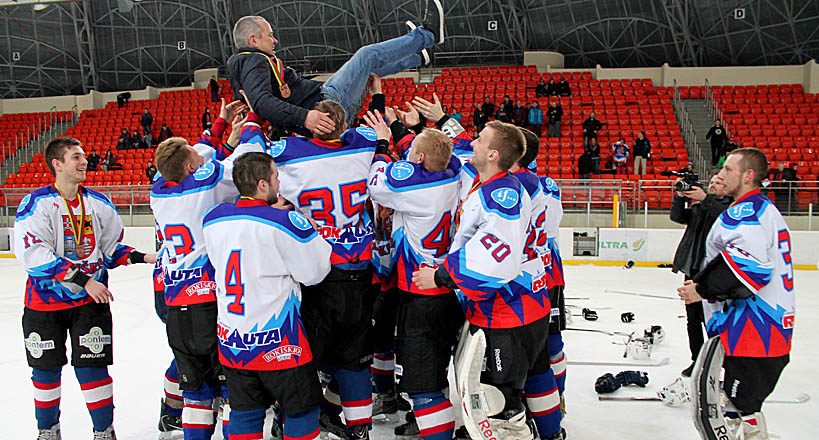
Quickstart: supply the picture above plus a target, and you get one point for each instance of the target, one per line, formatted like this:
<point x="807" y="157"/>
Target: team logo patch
<point x="36" y="346"/>
<point x="506" y="197"/>
<point x="276" y="148"/>
<point x="95" y="340"/>
<point x="740" y="211"/>
<point x="299" y="220"/>
<point x="206" y="170"/>
<point x="201" y="288"/>
<point x="368" y="133"/>
<point x="283" y="353"/>
<point x="402" y="170"/>
<point x="550" y="184"/>
<point x="24" y="203"/>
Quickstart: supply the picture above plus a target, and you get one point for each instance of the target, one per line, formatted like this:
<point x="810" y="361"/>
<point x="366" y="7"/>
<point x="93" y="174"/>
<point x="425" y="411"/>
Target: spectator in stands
<point x="164" y="133"/>
<point x="508" y="105"/>
<point x="146" y="121"/>
<point x="593" y="150"/>
<point x="206" y="121"/>
<point x="541" y="89"/>
<point x="501" y="114"/>
<point x="551" y="89"/>
<point x="620" y="152"/>
<point x="110" y="162"/>
<point x="137" y="141"/>
<point x="123" y="98"/>
<point x="124" y="141"/>
<point x="150" y="171"/>
<point x="585" y="167"/>
<point x="94" y="160"/>
<point x="214" y="89"/>
<point x="783" y="180"/>
<point x="717" y="136"/>
<point x="480" y="117"/>
<point x="456" y="114"/>
<point x="519" y="114"/>
<point x="590" y="128"/>
<point x="535" y="118"/>
<point x="555" y="115"/>
<point x="563" y="88"/>
<point x="642" y="151"/>
<point x="487" y="107"/>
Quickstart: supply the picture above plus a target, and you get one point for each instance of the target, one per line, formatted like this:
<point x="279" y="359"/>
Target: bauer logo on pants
<point x="95" y="340"/>
<point x="36" y="346"/>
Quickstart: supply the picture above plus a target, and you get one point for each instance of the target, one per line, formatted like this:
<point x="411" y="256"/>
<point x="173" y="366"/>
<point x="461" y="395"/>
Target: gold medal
<point x="284" y="89"/>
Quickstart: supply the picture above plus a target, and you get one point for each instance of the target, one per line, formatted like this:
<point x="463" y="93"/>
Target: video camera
<point x="689" y="180"/>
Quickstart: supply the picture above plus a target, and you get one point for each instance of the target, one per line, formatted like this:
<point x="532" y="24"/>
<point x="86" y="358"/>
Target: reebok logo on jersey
<point x="506" y="197"/>
<point x="283" y="353"/>
<point x="95" y="340"/>
<point x="36" y="346"/>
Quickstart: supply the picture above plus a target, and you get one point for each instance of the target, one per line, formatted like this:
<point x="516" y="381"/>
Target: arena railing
<point x="579" y="196"/>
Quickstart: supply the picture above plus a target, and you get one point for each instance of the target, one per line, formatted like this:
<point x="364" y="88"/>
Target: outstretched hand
<point x="374" y="120"/>
<point x="431" y="110"/>
<point x="409" y="118"/>
<point x="228" y="110"/>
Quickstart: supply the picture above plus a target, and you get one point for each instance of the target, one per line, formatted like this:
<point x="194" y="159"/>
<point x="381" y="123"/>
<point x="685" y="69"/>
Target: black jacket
<point x="642" y="147"/>
<point x="563" y="88"/>
<point x="591" y="127"/>
<point x="698" y="220"/>
<point x="717" y="136"/>
<point x="146" y="120"/>
<point x="584" y="164"/>
<point x="555" y="113"/>
<point x="252" y="73"/>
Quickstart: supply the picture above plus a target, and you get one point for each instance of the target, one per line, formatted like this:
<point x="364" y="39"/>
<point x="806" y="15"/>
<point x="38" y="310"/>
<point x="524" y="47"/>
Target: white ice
<point x="141" y="357"/>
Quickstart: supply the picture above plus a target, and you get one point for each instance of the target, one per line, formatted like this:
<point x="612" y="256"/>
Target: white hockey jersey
<point x="754" y="241"/>
<point x="178" y="210"/>
<point x="423" y="204"/>
<point x="554" y="209"/>
<point x="51" y="249"/>
<point x="261" y="254"/>
<point x="485" y="255"/>
<point x="327" y="181"/>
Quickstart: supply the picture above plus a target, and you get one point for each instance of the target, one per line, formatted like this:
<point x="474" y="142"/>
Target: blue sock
<point x="303" y="425"/>
<point x="543" y="401"/>
<point x="434" y="414"/>
<point x="356" y="396"/>
<point x="47" y="391"/>
<point x="225" y="412"/>
<point x="172" y="392"/>
<point x="98" y="391"/>
<point x="247" y="423"/>
<point x="197" y="415"/>
<point x="558" y="360"/>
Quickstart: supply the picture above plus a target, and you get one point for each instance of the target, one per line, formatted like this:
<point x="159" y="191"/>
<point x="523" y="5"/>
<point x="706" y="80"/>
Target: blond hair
<point x="171" y="157"/>
<point x="436" y="146"/>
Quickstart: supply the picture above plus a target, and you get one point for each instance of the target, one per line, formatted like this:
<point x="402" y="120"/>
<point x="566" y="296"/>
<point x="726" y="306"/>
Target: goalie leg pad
<point x="705" y="385"/>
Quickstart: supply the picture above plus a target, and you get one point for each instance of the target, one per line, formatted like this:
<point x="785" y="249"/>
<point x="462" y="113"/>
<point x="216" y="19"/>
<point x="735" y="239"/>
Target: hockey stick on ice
<point x="645" y="295"/>
<point x="659" y="363"/>
<point x="594" y="330"/>
<point x="797" y="399"/>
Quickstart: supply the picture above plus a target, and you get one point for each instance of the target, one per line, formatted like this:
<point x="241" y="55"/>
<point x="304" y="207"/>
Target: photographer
<point x="698" y="218"/>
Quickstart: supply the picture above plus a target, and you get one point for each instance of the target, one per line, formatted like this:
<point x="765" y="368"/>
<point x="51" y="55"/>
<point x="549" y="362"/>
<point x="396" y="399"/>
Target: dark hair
<point x="56" y="150"/>
<point x="532" y="148"/>
<point x="508" y="142"/>
<point x="752" y="159"/>
<point x="249" y="169"/>
<point x="336" y="112"/>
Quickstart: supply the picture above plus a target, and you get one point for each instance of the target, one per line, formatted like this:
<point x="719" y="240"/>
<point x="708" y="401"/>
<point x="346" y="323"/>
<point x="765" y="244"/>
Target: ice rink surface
<point x="141" y="357"/>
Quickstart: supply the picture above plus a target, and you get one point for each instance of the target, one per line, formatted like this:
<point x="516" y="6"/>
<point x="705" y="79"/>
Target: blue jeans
<point x="348" y="84"/>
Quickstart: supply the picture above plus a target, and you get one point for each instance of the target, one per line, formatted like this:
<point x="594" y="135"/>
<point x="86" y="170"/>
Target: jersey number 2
<point x="233" y="283"/>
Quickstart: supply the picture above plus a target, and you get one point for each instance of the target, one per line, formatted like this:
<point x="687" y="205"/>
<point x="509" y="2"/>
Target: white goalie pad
<point x="706" y="409"/>
<point x="478" y="401"/>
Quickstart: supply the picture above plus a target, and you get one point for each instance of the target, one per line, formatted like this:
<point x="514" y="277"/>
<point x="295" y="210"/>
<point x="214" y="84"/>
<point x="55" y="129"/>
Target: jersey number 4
<point x="438" y="240"/>
<point x="233" y="283"/>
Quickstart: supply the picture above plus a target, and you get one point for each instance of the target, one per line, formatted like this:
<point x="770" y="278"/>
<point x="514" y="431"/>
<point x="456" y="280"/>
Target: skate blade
<point x="171" y="435"/>
<point x="326" y="435"/>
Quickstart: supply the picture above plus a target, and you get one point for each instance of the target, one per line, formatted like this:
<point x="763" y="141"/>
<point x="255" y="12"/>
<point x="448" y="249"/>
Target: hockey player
<point x="422" y="191"/>
<point x="557" y="357"/>
<point x="541" y="390"/>
<point x="748" y="283"/>
<point x="67" y="237"/>
<point x="260" y="255"/>
<point x="326" y="179"/>
<point x="485" y="257"/>
<point x="192" y="182"/>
